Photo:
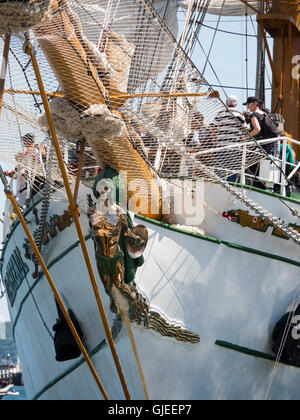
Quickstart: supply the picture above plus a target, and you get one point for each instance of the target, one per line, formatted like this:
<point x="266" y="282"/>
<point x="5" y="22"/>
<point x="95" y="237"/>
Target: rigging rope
<point x="232" y="33"/>
<point x="47" y="190"/>
<point x="246" y="58"/>
<point x="23" y="68"/>
<point x="179" y="148"/>
<point x="213" y="70"/>
<point x="201" y="10"/>
<point x="74" y="211"/>
<point x="277" y="363"/>
<point x="236" y="87"/>
<point x="38" y="309"/>
<point x="212" y="42"/>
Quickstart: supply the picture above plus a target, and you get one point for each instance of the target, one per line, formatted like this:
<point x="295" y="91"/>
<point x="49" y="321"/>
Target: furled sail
<point x="148" y="55"/>
<point x="228" y="7"/>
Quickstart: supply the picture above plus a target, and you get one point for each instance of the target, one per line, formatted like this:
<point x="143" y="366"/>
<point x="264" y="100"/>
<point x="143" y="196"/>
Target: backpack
<point x="277" y="119"/>
<point x="268" y="128"/>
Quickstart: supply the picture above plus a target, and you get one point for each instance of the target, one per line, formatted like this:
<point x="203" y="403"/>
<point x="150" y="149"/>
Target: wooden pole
<point x="4" y="68"/>
<point x="16" y="208"/>
<point x="74" y="211"/>
<point x="282" y="22"/>
<point x="81" y="159"/>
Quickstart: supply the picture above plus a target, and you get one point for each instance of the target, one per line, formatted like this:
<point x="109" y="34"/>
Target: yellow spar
<point x="84" y="83"/>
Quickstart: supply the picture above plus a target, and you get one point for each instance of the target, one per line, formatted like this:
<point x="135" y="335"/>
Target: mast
<point x="282" y="22"/>
<point x="260" y="62"/>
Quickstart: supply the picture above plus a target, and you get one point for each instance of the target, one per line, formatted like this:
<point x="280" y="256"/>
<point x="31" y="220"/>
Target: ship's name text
<point x="16" y="271"/>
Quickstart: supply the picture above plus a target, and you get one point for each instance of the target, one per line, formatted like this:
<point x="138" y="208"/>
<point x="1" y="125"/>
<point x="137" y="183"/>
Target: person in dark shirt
<point x="256" y="120"/>
<point x="261" y="124"/>
<point x="256" y="116"/>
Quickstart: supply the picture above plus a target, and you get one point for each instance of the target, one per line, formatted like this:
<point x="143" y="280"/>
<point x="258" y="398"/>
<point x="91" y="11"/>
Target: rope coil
<point x="20" y="16"/>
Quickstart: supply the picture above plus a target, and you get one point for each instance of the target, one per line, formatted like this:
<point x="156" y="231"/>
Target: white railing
<point x="281" y="163"/>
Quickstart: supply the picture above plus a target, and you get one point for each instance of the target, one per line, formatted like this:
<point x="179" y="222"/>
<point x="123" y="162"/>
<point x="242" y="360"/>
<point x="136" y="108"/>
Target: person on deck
<point x="259" y="123"/>
<point x="231" y="103"/>
<point x="199" y="139"/>
<point x="261" y="127"/>
<point x="256" y="115"/>
<point x="199" y="134"/>
<point x="29" y="163"/>
<point x="230" y="125"/>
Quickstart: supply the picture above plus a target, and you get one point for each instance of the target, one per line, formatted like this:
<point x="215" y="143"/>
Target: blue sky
<point x="229" y="54"/>
<point x="228" y="57"/>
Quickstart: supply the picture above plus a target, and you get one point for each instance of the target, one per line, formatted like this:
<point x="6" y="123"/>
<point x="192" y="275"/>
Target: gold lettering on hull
<point x="56" y="224"/>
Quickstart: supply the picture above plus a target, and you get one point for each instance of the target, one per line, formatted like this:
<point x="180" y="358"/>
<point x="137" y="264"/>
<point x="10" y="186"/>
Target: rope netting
<point x="106" y="54"/>
<point x="31" y="165"/>
<point x="116" y="76"/>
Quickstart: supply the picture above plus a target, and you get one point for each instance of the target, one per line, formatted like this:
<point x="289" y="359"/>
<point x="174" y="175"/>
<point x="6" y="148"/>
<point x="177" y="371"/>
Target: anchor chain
<point x="47" y="190"/>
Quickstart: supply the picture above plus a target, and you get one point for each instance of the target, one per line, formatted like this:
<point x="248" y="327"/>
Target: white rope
<point x="277" y="363"/>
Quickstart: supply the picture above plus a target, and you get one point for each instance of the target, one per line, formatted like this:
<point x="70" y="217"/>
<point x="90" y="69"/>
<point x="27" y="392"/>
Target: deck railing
<point x="279" y="163"/>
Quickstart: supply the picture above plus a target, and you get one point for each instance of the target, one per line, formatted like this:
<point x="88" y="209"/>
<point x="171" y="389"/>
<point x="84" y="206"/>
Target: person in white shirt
<point x="231" y="128"/>
<point x="231" y="103"/>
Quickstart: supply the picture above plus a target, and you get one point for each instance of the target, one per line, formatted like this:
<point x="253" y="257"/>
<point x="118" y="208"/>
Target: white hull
<point x="210" y="287"/>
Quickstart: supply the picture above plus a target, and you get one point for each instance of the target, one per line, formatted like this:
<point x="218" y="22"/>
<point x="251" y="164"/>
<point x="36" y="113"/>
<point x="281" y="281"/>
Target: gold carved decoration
<point x="110" y="261"/>
<point x="109" y="225"/>
<point x="56" y="224"/>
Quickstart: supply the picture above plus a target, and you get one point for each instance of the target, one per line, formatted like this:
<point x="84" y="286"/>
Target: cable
<point x="236" y="87"/>
<point x="230" y="32"/>
<point x="212" y="42"/>
<point x="25" y="76"/>
<point x="37" y="308"/>
<point x="246" y="59"/>
<point x="276" y="367"/>
<point x="211" y="66"/>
